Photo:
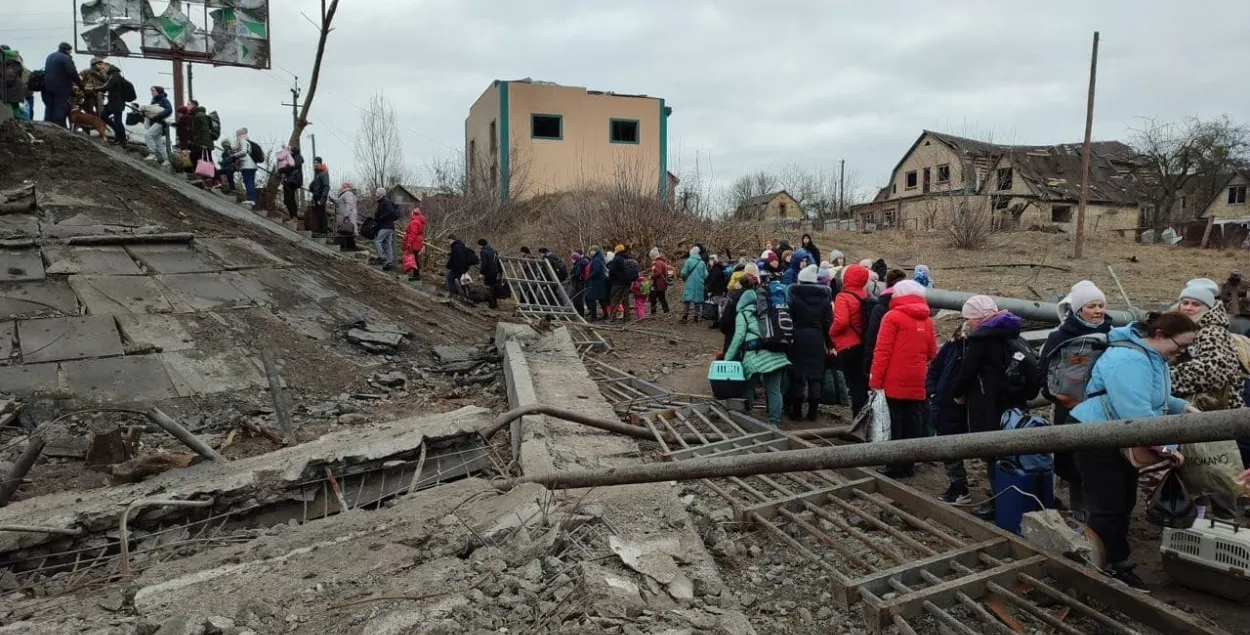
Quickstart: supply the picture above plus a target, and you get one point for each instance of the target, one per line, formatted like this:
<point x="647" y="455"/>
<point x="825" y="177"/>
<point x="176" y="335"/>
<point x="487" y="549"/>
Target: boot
<point x="813" y="410"/>
<point x="795" y="411"/>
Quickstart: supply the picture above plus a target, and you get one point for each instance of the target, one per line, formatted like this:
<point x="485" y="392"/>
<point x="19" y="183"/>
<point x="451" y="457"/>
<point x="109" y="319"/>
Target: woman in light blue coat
<point x="1129" y="381"/>
<point x="694" y="273"/>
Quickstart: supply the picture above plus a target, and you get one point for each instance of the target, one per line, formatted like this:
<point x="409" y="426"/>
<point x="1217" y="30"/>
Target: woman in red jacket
<point x="847" y="334"/>
<point x="414" y="240"/>
<point x="900" y="361"/>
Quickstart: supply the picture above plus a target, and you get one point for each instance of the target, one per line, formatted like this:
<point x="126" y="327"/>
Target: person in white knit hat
<point x="1083" y="312"/>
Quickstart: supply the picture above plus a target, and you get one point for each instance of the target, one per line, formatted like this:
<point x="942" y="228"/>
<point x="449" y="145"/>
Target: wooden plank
<point x="939" y="565"/>
<point x="795" y="502"/>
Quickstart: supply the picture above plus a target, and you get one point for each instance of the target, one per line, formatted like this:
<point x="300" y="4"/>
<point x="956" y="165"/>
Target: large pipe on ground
<point x="1191" y="428"/>
<point x="1027" y="309"/>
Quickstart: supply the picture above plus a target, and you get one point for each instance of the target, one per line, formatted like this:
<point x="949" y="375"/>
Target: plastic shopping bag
<point x="1169" y="504"/>
<point x="1212" y="468"/>
<point x="874" y="419"/>
<point x="410" y="262"/>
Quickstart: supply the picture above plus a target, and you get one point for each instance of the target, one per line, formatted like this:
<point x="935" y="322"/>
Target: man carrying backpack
<point x="991" y="380"/>
<point x="118" y="90"/>
<point x="760" y="365"/>
<point x="459" y="260"/>
<point x="59" y="79"/>
<point x="579" y="279"/>
<point x="490" y="271"/>
<point x="847" y="333"/>
<point x="557" y="265"/>
<point x="622" y="273"/>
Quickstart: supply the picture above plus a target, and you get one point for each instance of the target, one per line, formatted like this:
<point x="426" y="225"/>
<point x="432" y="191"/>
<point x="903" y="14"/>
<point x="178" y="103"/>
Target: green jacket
<point x="746" y="329"/>
<point x="201" y="129"/>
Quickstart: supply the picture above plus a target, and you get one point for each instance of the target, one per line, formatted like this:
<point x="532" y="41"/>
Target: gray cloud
<point x="754" y="84"/>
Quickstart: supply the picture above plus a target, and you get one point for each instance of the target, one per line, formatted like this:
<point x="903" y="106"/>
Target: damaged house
<point x="1022" y="187"/>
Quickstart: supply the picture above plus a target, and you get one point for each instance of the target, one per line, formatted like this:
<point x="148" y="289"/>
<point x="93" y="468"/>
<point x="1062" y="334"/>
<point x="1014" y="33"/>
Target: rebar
<point x="123" y="536"/>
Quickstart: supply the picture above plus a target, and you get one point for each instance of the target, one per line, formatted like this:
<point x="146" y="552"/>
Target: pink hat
<point x="978" y="307"/>
<point x="906" y="288"/>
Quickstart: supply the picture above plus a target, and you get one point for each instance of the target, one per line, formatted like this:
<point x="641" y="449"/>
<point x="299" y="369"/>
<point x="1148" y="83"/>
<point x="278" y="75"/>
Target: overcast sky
<point x="754" y="84"/>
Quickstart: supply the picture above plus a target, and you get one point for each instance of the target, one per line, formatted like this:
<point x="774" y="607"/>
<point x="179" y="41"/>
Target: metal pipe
<point x="25" y="462"/>
<point x="1027" y="309"/>
<point x="182" y="434"/>
<point x="32" y="529"/>
<point x="1190" y="428"/>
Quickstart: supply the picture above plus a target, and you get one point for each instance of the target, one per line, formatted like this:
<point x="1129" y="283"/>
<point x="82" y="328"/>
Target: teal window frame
<point x="560" y="118"/>
<point x="637" y="137"/>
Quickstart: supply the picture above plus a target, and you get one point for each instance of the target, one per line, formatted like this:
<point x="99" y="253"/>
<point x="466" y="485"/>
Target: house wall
<point x="1098" y="217"/>
<point x="793" y="210"/>
<point x="584" y="156"/>
<point x="1221" y="208"/>
<point x="930" y="156"/>
<point x="481" y="164"/>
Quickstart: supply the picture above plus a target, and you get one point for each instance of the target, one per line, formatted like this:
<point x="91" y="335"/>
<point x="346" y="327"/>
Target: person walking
<point x="319" y="188"/>
<point x="248" y="156"/>
<point x="12" y="82"/>
<point x="94" y="83"/>
<point x="981" y="382"/>
<point x="811" y="309"/>
<point x="1129" y="381"/>
<point x="201" y="133"/>
<point x="946" y="416"/>
<point x="716" y="286"/>
<point x="623" y="271"/>
<point x="579" y="276"/>
<point x="597" y="285"/>
<point x="414" y="241"/>
<point x="847" y="334"/>
<point x="345" y="214"/>
<point x="459" y="260"/>
<point x="737" y="286"/>
<point x="59" y="79"/>
<point x="118" y="91"/>
<point x="384" y="242"/>
<point x="694" y="274"/>
<point x="292" y="172"/>
<point x="759" y="365"/>
<point x="489" y="270"/>
<point x="905" y="345"/>
<point x="156" y="115"/>
<point x="660" y="273"/>
<point x="1084" y="312"/>
<point x="226" y="166"/>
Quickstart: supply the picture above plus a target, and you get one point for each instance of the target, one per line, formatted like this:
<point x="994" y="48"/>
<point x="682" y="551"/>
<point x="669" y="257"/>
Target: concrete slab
<point x="162" y="331"/>
<point x="91" y="260"/>
<point x="172" y="259"/>
<point x="37" y="298"/>
<point x="19" y="265"/>
<point x="288" y="287"/>
<point x="307" y="319"/>
<point x="134" y="378"/>
<point x="8" y="331"/>
<point x="120" y="295"/>
<point x="239" y="253"/>
<point x="19" y="226"/>
<point x="208" y="291"/>
<point x="63" y="338"/>
<point x="195" y="372"/>
<point x="30" y="378"/>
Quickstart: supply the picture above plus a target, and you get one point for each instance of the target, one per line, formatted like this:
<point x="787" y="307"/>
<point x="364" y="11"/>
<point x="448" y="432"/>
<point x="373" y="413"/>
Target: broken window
<point x="1000" y="202"/>
<point x="547" y="126"/>
<point x="623" y="131"/>
<point x="1004" y="179"/>
<point x="944" y="174"/>
<point x="889" y="218"/>
<point x="781" y="210"/>
<point x="1061" y="213"/>
<point x="927" y="180"/>
<point x="1237" y="195"/>
<point x="911" y="180"/>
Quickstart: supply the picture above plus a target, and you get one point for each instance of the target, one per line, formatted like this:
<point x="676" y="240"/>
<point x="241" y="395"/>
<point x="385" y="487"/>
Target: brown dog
<point x="85" y="121"/>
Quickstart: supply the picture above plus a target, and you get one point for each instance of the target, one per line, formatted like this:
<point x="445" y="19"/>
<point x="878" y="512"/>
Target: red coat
<point x="659" y="274"/>
<point x="848" y="320"/>
<point x="414" y="236"/>
<point x="905" y="346"/>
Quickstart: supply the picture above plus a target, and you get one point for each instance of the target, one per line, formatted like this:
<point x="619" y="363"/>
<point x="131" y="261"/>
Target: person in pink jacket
<point x="414" y="241"/>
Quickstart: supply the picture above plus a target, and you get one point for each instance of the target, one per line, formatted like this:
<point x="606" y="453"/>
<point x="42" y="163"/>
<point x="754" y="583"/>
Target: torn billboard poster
<point x="238" y="37"/>
<point x="173" y="30"/>
<point x="117" y="13"/>
<point x="105" y="41"/>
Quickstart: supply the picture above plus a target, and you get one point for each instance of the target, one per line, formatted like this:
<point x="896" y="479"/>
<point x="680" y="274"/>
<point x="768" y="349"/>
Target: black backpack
<point x="256" y="154"/>
<point x="557" y="265"/>
<point x="214" y="125"/>
<point x="128" y="90"/>
<point x="1021" y="371"/>
<point x="629" y="269"/>
<point x="35" y="83"/>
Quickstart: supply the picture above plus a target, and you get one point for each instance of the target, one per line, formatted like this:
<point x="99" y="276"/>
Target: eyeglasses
<point x="1178" y="344"/>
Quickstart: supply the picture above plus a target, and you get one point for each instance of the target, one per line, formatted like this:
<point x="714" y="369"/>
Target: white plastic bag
<point x="878" y="417"/>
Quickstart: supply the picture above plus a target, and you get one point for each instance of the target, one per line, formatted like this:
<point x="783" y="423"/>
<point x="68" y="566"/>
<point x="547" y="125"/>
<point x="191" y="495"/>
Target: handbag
<point x="204" y="168"/>
<point x="369" y="228"/>
<point x="1169" y="503"/>
<point x="134" y="118"/>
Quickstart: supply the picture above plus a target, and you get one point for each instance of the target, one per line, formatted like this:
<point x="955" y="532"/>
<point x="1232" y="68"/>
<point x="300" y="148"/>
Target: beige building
<point x="1229" y="200"/>
<point x="773" y="206"/>
<point x="525" y="138"/>
<point x="1020" y="186"/>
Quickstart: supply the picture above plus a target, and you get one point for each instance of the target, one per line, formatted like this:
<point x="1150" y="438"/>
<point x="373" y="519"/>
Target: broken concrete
<point x="66" y="338"/>
<point x="65" y="259"/>
<point x="119" y="379"/>
<point x="37" y="298"/>
<point x="172" y="259"/>
<point x="120" y="295"/>
<point x="20" y="265"/>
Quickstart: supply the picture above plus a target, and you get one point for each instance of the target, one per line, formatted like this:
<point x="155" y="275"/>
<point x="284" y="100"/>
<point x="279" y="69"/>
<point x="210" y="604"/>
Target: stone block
<point x="30" y="378"/>
<point x="65" y="338"/>
<point x="178" y="258"/>
<point x="164" y="332"/>
<point x="119" y="379"/>
<point x="37" y="298"/>
<point x="66" y="259"/>
<point x="120" y="295"/>
<point x="210" y="291"/>
<point x="195" y="372"/>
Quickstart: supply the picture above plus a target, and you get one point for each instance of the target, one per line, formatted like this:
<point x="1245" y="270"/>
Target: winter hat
<point x="834" y="254"/>
<point x="810" y="274"/>
<point x="978" y="307"/>
<point x="1083" y="293"/>
<point x="908" y="288"/>
<point x="823" y="275"/>
<point x="764" y="254"/>
<point x="922" y="276"/>
<point x="576" y="255"/>
<point x="655" y="253"/>
<point x="482" y="242"/>
<point x="866" y="263"/>
<point x="1235" y="274"/>
<point x="694" y="251"/>
<point x="238" y="133"/>
<point x="619" y="248"/>
<point x="771" y="256"/>
<point x="596" y="249"/>
<point x="1203" y="290"/>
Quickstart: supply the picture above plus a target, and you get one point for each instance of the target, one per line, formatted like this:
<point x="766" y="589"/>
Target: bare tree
<point x="749" y="186"/>
<point x="470" y="197"/>
<point x="1183" y="156"/>
<point x="379" y="150"/>
<point x="269" y="195"/>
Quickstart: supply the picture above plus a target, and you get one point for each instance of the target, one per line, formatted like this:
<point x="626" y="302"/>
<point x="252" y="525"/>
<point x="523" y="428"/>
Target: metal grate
<point x="539" y="295"/>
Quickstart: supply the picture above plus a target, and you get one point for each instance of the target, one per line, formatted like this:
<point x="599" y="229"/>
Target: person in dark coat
<point x="1083" y="311"/>
<point x="597" y="285"/>
<point x="489" y="270"/>
<point x="114" y="109"/>
<point x="811" y="309"/>
<point x="292" y="180"/>
<point x="881" y="269"/>
<point x="880" y="308"/>
<point x="386" y="215"/>
<point x="810" y="247"/>
<point x="980" y="382"/>
<point x="12" y="83"/>
<point x="459" y="259"/>
<point x="60" y="78"/>
<point x="319" y="188"/>
<point x="201" y="133"/>
<point x="946" y="416"/>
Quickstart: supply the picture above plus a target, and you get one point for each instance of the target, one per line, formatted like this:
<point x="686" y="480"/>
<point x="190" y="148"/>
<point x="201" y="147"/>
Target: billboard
<point x="218" y="32"/>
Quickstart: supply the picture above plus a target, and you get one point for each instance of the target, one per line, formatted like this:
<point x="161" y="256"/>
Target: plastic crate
<point x="1212" y="555"/>
<point x="726" y="379"/>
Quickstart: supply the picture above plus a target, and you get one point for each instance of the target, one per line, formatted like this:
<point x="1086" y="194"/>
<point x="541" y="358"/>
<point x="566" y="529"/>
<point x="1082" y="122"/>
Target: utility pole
<point x="294" y="105"/>
<point x="190" y="81"/>
<point x="178" y="87"/>
<point x="1079" y="242"/>
<point x="841" y="187"/>
<point x="313" y="139"/>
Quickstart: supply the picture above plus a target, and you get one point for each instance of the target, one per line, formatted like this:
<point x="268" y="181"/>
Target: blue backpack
<point x="1017" y="419"/>
<point x="773" y="315"/>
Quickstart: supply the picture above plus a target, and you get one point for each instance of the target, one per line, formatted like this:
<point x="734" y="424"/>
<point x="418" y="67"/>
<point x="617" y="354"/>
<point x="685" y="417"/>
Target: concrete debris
<point x="393" y="379"/>
<point x="652" y="558"/>
<point x="378" y="339"/>
<point x="610" y="592"/>
<point x="182" y="625"/>
<point x="1051" y="532"/>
